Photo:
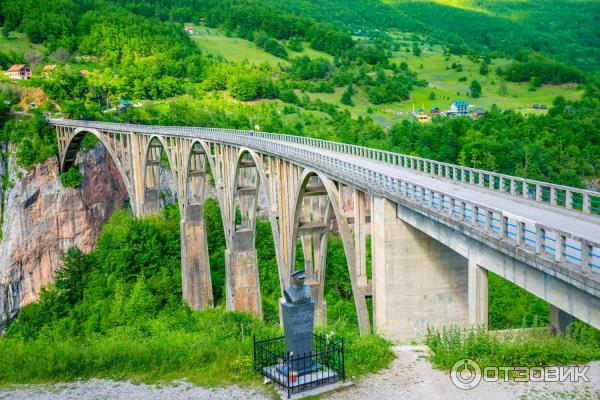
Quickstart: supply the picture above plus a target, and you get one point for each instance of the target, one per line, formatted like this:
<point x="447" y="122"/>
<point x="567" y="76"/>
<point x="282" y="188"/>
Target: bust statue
<point x="298" y="292"/>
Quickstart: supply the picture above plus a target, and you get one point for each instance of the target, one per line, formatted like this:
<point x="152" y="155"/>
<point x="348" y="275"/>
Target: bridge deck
<point x="583" y="225"/>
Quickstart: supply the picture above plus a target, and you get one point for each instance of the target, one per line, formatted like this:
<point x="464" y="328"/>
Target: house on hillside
<point x="189" y="29"/>
<point x="421" y="116"/>
<point x="48" y="70"/>
<point x="459" y="107"/>
<point x="84" y="72"/>
<point x="436" y="111"/>
<point x="124" y="105"/>
<point x="19" y="71"/>
<point x="477" y="112"/>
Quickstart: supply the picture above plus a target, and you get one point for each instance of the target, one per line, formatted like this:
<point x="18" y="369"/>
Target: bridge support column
<point x="361" y="231"/>
<point x="315" y="256"/>
<point x="151" y="203"/>
<point x="478" y="295"/>
<point x="559" y="320"/>
<point x="241" y="264"/>
<point x="195" y="267"/>
<point x="417" y="281"/>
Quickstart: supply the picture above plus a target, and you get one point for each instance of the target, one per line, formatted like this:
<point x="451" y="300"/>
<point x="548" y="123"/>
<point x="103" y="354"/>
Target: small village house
<point x="124" y="104"/>
<point x="436" y="111"/>
<point x="84" y="72"/>
<point x="189" y="29"/>
<point x="460" y="107"/>
<point x="478" y="112"/>
<point x="421" y="116"/>
<point x="19" y="71"/>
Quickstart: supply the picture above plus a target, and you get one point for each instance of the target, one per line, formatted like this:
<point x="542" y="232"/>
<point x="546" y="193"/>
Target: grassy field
<point x="445" y="84"/>
<point x="213" y="41"/>
<point x="17" y="42"/>
<point x="210" y="41"/>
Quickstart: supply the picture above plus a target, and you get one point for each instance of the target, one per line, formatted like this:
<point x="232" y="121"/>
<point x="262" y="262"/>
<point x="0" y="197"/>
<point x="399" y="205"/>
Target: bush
<point x="537" y="348"/>
<point x="73" y="178"/>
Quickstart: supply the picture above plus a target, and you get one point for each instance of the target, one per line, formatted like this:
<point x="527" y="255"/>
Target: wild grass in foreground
<point x="117" y="313"/>
<point x="521" y="349"/>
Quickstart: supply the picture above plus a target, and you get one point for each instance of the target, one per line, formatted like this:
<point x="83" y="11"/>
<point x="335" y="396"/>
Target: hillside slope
<point x="565" y="29"/>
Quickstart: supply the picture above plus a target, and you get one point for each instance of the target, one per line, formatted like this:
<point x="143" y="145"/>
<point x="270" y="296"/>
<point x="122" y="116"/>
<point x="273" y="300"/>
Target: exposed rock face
<point x="42" y="220"/>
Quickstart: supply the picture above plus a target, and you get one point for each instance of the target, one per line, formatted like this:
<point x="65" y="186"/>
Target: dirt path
<point x="410" y="376"/>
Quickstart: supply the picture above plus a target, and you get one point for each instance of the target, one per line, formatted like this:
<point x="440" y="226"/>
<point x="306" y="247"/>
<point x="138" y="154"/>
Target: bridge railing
<point x="586" y="201"/>
<point x="559" y="246"/>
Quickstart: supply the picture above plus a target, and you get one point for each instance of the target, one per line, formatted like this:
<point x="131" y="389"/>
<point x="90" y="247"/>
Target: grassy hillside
<point x="435" y="68"/>
<point x="217" y="43"/>
<point x="18" y="43"/>
<point x="566" y="29"/>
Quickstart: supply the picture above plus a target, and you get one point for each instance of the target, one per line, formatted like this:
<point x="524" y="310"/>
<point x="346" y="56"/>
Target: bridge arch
<point x="69" y="155"/>
<point x="263" y="182"/>
<point x="317" y="203"/>
<point x="152" y="159"/>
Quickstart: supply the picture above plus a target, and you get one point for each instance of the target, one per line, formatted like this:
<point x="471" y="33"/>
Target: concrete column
<point x="196" y="281"/>
<point x="417" y="281"/>
<point x="241" y="266"/>
<point x="478" y="295"/>
<point x="316" y="276"/>
<point x="316" y="210"/>
<point x="559" y="320"/>
<point x="151" y="203"/>
<point x="360" y="237"/>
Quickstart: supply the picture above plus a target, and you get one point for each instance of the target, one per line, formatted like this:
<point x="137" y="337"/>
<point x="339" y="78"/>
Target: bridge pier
<point x="559" y="320"/>
<point x="195" y="266"/>
<point x="241" y="266"/>
<point x="417" y="281"/>
<point x="151" y="203"/>
<point x="478" y="295"/>
<point x="315" y="256"/>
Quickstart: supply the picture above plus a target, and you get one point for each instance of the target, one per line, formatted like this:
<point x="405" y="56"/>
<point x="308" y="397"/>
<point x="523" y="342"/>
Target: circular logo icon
<point x="465" y="374"/>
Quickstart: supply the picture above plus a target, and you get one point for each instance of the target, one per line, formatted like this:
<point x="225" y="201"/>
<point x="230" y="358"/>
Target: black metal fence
<point x="298" y="372"/>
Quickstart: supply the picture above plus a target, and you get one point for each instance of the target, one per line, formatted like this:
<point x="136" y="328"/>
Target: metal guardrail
<point x="586" y="201"/>
<point x="558" y="246"/>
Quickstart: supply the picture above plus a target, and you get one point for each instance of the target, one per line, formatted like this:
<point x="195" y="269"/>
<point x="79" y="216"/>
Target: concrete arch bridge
<point x="436" y="229"/>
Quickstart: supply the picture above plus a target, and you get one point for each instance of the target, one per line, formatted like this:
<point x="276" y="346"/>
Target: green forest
<point x="334" y="70"/>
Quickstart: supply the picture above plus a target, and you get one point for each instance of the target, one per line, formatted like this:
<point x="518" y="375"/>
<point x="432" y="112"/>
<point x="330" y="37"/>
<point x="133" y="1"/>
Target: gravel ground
<point x="410" y="376"/>
<point x="97" y="389"/>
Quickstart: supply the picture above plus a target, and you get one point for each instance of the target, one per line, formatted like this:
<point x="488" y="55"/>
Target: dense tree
<point x="475" y="88"/>
<point x="416" y="49"/>
<point x="347" y="98"/>
<point x="543" y="69"/>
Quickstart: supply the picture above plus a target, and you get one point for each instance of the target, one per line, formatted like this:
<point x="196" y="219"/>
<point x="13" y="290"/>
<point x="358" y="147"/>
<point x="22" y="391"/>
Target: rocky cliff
<point x="42" y="220"/>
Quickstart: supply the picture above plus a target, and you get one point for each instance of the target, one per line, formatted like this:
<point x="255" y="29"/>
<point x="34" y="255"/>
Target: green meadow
<point x="215" y="42"/>
<point x="436" y="69"/>
<point x="18" y="43"/>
